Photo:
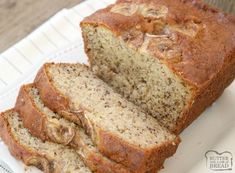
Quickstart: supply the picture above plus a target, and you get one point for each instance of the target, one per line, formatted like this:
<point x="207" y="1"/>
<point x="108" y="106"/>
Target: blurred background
<point x="20" y="17"/>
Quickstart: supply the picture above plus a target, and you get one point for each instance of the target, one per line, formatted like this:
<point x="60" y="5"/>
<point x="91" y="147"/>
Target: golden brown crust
<point x="37" y="123"/>
<point x="202" y="55"/>
<point x="32" y="119"/>
<point x="206" y="63"/>
<point x="28" y="156"/>
<point x="208" y="94"/>
<point x="137" y="159"/>
<point x="96" y="161"/>
<point x="60" y="103"/>
<point x="50" y="96"/>
<point x="101" y="165"/>
<point x="30" y="113"/>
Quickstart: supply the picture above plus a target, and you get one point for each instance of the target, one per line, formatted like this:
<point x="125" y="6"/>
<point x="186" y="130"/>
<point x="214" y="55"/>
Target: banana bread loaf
<point x="47" y="125"/>
<point x="173" y="58"/>
<point x="49" y="157"/>
<point x="120" y="130"/>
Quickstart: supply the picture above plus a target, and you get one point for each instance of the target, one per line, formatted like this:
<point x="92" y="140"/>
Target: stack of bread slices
<point x="69" y="120"/>
<point x="144" y="85"/>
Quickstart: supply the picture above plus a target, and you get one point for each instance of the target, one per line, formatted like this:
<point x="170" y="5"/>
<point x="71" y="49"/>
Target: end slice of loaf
<point x="120" y="130"/>
<point x="49" y="157"/>
<point x="47" y="125"/>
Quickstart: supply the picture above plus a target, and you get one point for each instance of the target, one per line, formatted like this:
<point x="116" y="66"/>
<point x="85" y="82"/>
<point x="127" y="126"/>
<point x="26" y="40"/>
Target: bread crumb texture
<point x="106" y="109"/>
<point x="159" y="53"/>
<point x="51" y="157"/>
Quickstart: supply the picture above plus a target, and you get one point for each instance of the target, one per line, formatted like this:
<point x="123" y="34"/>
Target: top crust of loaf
<point x="194" y="40"/>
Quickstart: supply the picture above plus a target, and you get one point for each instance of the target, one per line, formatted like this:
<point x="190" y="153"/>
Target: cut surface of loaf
<point x="120" y="130"/>
<point x="172" y="58"/>
<point x="47" y="156"/>
<point x="53" y="127"/>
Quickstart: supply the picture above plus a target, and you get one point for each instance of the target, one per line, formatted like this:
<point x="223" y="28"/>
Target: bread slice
<point x="166" y="56"/>
<point x="52" y="127"/>
<point x="120" y="130"/>
<point x="47" y="156"/>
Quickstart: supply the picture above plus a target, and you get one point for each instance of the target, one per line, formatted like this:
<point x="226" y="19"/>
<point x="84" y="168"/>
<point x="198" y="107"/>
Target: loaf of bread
<point x="173" y="58"/>
<point x="49" y="157"/>
<point x="49" y="126"/>
<point x="118" y="128"/>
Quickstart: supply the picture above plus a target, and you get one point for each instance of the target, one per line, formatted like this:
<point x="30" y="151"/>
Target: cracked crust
<point x="195" y="26"/>
<point x="202" y="38"/>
